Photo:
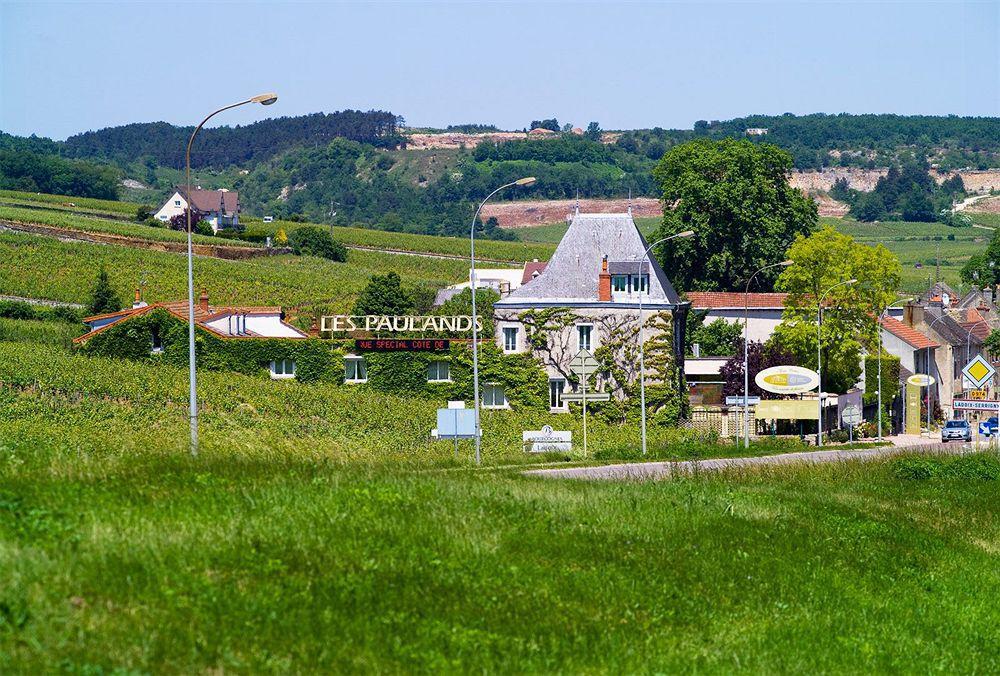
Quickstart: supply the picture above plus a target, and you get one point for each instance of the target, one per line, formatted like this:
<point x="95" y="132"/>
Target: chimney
<point x="138" y="302"/>
<point x="203" y="300"/>
<point x="988" y="294"/>
<point x="913" y="314"/>
<point x="604" y="282"/>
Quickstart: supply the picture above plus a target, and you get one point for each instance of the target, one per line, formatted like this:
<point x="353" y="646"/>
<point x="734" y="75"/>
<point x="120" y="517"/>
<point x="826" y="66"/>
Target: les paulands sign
<point x="398" y="323"/>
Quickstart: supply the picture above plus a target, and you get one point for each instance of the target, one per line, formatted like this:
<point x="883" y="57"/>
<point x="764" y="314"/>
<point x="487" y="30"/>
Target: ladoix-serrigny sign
<point x="398" y="323"/>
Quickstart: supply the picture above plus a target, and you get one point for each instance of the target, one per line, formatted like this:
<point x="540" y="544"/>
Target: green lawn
<point x="315" y="533"/>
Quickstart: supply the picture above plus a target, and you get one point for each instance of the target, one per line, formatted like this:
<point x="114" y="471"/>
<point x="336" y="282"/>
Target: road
<point x="664" y="470"/>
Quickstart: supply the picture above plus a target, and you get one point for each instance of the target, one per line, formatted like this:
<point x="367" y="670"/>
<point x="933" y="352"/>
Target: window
<point x="556" y="388"/>
<point x="619" y="283"/>
<point x="438" y="372"/>
<point x="494" y="396"/>
<point x="354" y="369"/>
<point x="583" y="332"/>
<point x="639" y="283"/>
<point x="282" y="368"/>
<point x="177" y="203"/>
<point x="157" y="343"/>
<point x="510" y="339"/>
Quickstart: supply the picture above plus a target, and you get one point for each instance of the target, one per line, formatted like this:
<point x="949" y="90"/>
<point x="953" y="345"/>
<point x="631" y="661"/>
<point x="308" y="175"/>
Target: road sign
<point x="978" y="395"/>
<point x="589" y="396"/>
<point x="851" y="415"/>
<point x="979" y="371"/>
<point x="547" y="440"/>
<point x="787" y="379"/>
<point x="971" y="405"/>
<point x="738" y="401"/>
<point x="920" y="380"/>
<point x="584" y="364"/>
<point x="984" y="429"/>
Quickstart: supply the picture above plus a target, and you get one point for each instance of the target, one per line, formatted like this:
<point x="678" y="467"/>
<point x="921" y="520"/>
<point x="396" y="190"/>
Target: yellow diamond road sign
<point x="979" y="371"/>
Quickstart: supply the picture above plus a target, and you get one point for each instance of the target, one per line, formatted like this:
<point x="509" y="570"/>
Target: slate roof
<point x="949" y="329"/>
<point x="571" y="276"/>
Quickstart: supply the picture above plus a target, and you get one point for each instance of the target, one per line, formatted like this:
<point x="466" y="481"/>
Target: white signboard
<point x="979" y="371"/>
<point x="738" y="400"/>
<point x="787" y="379"/>
<point x="589" y="396"/>
<point x="920" y="380"/>
<point x="973" y="405"/>
<point x="547" y="440"/>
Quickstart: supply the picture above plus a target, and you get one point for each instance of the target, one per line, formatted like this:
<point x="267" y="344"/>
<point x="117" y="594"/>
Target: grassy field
<point x="552" y="233"/>
<point x="64" y="202"/>
<point x="42" y="267"/>
<point x="342" y="539"/>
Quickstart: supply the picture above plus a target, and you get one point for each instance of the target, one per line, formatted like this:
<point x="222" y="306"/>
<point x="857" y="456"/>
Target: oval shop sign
<point x="787" y="379"/>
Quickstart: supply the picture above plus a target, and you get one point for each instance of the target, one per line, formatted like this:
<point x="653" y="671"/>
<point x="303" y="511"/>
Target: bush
<point x="311" y="240"/>
<point x="203" y="228"/>
<point x="15" y="309"/>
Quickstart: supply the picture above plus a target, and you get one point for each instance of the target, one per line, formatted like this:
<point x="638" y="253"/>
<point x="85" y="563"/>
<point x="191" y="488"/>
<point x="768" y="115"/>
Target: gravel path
<point x="663" y="470"/>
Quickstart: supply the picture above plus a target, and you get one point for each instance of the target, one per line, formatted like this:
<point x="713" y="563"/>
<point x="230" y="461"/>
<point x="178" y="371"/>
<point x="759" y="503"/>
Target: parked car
<point x="956" y="429"/>
<point x="991" y="426"/>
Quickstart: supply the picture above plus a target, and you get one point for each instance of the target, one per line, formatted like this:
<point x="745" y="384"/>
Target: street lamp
<point x="819" y="357"/>
<point x="746" y="344"/>
<point x="475" y="333"/>
<point x="265" y="100"/>
<point x="642" y="352"/>
<point x="878" y="330"/>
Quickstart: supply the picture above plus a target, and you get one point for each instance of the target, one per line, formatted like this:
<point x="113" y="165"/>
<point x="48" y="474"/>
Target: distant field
<point x="64" y="202"/>
<point x="43" y="267"/>
<point x="554" y="232"/>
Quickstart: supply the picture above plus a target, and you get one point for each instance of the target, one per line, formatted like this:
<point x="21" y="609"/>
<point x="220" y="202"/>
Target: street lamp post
<point x="819" y="357"/>
<point x="263" y="99"/>
<point x="475" y="332"/>
<point x="746" y="352"/>
<point x="642" y="352"/>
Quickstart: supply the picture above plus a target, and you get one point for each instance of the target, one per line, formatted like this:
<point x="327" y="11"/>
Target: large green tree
<point x="983" y="269"/>
<point x="736" y="197"/>
<point x="821" y="262"/>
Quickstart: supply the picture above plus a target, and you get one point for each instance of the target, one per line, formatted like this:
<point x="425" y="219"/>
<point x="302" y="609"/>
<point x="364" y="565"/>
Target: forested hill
<point x="163" y="144"/>
<point x="869" y="140"/>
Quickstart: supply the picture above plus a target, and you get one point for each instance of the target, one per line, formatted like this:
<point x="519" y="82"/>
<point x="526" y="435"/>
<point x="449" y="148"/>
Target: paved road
<point x="663" y="470"/>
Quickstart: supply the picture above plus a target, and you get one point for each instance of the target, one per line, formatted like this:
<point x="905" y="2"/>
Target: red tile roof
<point x="717" y="300"/>
<point x="208" y="201"/>
<point x="908" y="334"/>
<point x="530" y="268"/>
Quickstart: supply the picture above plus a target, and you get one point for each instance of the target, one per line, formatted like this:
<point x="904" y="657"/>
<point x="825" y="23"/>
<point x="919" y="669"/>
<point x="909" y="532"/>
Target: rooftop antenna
<point x="630" y="201"/>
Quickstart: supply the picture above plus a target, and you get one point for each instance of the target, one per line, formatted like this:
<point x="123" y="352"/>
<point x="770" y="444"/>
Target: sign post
<point x="851" y="417"/>
<point x="584" y="365"/>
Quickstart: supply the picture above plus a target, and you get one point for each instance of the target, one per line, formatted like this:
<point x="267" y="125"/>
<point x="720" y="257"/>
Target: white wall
<point x="169" y="210"/>
<point x="269" y="326"/>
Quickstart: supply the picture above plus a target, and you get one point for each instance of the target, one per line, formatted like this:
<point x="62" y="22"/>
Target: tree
<point x="736" y="197"/>
<point x="311" y="240"/>
<point x="384" y="295"/>
<point x="759" y="356"/>
<point x="718" y="338"/>
<point x="822" y="261"/>
<point x="198" y="222"/>
<point x="983" y="269"/>
<point x="552" y="124"/>
<point x="280" y="238"/>
<point x="103" y="298"/>
<point x="593" y="132"/>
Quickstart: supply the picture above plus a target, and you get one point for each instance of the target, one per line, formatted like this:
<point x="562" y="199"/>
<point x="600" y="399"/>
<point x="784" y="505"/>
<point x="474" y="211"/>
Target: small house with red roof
<point x="220" y="208"/>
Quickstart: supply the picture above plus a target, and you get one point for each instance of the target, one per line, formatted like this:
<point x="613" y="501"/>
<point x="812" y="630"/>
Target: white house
<point x="223" y="321"/>
<point x="221" y="208"/>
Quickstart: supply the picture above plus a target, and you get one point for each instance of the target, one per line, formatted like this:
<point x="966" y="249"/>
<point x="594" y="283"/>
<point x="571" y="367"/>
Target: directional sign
<point x="738" y="400"/>
<point x="589" y="396"/>
<point x="851" y="415"/>
<point x="979" y="371"/>
<point x="971" y="405"/>
<point x="984" y="429"/>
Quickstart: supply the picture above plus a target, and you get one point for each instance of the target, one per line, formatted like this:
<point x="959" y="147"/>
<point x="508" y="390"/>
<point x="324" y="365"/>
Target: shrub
<point x="103" y="298"/>
<point x="15" y="309"/>
<point x="311" y="240"/>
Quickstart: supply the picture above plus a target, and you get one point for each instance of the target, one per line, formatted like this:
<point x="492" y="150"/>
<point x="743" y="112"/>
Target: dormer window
<point x="619" y="283"/>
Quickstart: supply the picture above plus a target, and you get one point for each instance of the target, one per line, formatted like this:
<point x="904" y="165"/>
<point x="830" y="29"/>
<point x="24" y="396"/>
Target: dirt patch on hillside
<point x="454" y="141"/>
<point x="524" y="214"/>
<point x="987" y="205"/>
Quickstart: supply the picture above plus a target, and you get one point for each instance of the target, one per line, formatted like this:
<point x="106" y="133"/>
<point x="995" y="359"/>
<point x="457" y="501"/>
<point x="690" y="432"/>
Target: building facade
<point x="220" y="208"/>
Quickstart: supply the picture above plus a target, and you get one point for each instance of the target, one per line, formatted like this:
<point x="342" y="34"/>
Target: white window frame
<point x="517" y="335"/>
<point x="590" y="337"/>
<point x="358" y="360"/>
<point x="493" y="387"/>
<point x="614" y="283"/>
<point x="562" y="407"/>
<point x="638" y="283"/>
<point x="177" y="203"/>
<point x="437" y="375"/>
<point x="279" y="369"/>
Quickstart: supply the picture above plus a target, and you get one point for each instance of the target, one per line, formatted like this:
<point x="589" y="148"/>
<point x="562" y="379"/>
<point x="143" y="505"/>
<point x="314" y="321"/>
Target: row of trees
<point x="905" y="193"/>
<point x="35" y="172"/>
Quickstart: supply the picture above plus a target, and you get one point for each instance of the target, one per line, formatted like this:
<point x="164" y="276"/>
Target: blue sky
<point x="69" y="67"/>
